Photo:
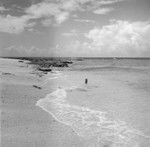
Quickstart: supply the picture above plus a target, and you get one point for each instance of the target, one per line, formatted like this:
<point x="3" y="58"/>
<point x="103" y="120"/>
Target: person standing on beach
<point x="86" y="81"/>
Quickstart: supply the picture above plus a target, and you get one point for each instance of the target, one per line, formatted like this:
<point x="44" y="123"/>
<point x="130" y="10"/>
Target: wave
<point x="89" y="123"/>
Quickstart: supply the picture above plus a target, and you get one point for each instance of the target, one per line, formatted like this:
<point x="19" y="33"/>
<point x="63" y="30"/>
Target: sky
<point x="75" y="28"/>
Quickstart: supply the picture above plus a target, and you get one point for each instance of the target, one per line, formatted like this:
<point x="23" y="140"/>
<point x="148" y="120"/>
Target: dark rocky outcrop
<point x="44" y="69"/>
<point x="45" y="64"/>
<point x="21" y="61"/>
<point x="37" y="87"/>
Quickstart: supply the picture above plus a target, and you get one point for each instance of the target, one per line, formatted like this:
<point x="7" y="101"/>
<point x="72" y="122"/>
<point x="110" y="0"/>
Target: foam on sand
<point x="90" y="123"/>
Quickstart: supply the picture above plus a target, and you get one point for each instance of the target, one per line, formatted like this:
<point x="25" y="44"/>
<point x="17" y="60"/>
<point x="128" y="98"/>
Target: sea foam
<point x="89" y="123"/>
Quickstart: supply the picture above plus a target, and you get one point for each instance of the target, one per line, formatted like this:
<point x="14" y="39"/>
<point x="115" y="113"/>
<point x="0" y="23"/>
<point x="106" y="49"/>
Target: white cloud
<point x="73" y="48"/>
<point x="11" y="24"/>
<point x="46" y="22"/>
<point x="61" y="17"/>
<point x="71" y="33"/>
<point x="107" y="2"/>
<point x="2" y="9"/>
<point x="70" y="5"/>
<point x="48" y="11"/>
<point x="120" y="38"/>
<point x="24" y="51"/>
<point x="43" y="9"/>
<point x="59" y="10"/>
<point x="84" y="20"/>
<point x="103" y="10"/>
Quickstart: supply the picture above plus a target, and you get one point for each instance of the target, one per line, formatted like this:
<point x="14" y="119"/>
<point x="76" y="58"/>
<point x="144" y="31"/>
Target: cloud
<point x="48" y="10"/>
<point x="62" y="9"/>
<point x="72" y="33"/>
<point x="46" y="22"/>
<point x="11" y="24"/>
<point x="13" y="51"/>
<point x="120" y="38"/>
<point x="107" y="2"/>
<point x="84" y="20"/>
<point x="16" y="51"/>
<point x="61" y="17"/>
<point x="73" y="48"/>
<point x="2" y="9"/>
<point x="70" y="5"/>
<point x="43" y="9"/>
<point x="103" y="10"/>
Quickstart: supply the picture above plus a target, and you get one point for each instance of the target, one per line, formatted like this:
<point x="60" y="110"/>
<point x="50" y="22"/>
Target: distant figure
<point x="86" y="81"/>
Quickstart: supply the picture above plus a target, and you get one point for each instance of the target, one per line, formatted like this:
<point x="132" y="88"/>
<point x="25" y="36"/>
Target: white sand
<point x="22" y="123"/>
<point x="124" y="95"/>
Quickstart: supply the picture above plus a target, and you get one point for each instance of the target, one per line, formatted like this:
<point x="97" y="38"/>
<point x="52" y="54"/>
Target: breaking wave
<point x="89" y="123"/>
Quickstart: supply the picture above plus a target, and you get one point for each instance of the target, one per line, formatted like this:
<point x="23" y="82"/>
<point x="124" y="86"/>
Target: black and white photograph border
<point x="75" y="73"/>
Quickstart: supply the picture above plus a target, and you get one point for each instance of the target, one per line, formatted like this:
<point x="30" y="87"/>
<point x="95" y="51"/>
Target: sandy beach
<point x="22" y="123"/>
<point x="66" y="112"/>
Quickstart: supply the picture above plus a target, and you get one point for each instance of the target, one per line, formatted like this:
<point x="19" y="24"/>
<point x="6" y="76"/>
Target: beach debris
<point x="37" y="87"/>
<point x="45" y="69"/>
<point x="68" y="62"/>
<point x="21" y="61"/>
<point x="63" y="64"/>
<point x="7" y="73"/>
